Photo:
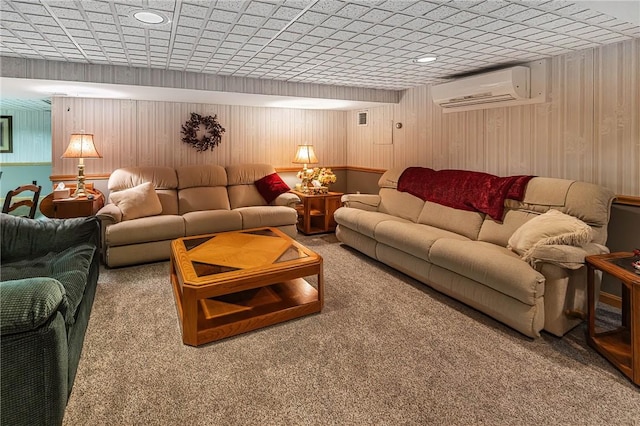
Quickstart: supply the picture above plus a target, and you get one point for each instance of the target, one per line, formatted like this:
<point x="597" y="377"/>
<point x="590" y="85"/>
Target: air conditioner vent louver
<point x="363" y="118"/>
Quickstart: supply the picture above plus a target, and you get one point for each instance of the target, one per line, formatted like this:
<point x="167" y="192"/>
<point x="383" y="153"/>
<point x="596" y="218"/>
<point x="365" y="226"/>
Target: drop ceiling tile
<point x="471" y="34"/>
<point x="108" y="36"/>
<point x="132" y="31"/>
<point x="67" y="13"/>
<point x="19" y="26"/>
<point x="320" y="32"/>
<point x="436" y="27"/>
<point x="453" y="31"/>
<point x="462" y="17"/>
<point x="416" y="8"/>
<point x="98" y="26"/>
<point x="41" y="20"/>
<point x="80" y="33"/>
<point x="397" y="19"/>
<point x="530" y="33"/>
<point x="441" y="12"/>
<point x="509" y="10"/>
<point x="352" y="10"/>
<point x="286" y="13"/>
<point x="192" y="10"/>
<point x="100" y="18"/>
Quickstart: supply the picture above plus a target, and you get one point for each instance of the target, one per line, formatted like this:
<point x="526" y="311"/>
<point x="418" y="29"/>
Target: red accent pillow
<point x="271" y="186"/>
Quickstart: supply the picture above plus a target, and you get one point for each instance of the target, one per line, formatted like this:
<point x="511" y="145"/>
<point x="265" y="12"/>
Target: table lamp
<point x="305" y="155"/>
<point x="81" y="146"/>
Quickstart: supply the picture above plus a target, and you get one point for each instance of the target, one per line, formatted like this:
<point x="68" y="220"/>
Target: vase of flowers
<point x="316" y="180"/>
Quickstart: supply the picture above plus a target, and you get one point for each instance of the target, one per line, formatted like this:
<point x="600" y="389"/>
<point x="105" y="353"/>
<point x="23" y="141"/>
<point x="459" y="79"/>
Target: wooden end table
<point x="315" y="215"/>
<point x="72" y="207"/>
<point x="622" y="345"/>
<point x="233" y="282"/>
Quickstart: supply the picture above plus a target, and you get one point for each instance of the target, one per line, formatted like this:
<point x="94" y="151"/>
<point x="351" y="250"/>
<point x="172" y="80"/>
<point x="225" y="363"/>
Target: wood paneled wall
<point x="148" y="133"/>
<point x="31" y="136"/>
<point x="589" y="130"/>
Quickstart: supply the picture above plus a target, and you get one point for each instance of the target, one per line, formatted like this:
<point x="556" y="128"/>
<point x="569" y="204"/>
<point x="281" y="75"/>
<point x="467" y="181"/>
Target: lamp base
<point x="80" y="188"/>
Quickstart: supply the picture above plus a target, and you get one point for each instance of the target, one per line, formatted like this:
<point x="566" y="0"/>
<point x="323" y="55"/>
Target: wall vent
<point x="363" y="118"/>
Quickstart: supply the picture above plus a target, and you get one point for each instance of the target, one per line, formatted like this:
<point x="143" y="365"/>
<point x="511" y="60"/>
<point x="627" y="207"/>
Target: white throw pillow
<point x="139" y="201"/>
<point x="552" y="227"/>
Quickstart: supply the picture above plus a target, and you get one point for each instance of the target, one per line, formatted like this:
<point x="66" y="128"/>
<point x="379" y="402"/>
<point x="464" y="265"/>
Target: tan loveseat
<point x="194" y="200"/>
<point x="464" y="254"/>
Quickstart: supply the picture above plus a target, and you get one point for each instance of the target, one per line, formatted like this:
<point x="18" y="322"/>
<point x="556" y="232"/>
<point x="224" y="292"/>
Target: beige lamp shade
<point x="305" y="155"/>
<point x="81" y="146"/>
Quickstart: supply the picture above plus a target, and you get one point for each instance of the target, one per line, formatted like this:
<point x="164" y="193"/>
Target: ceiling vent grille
<point x="363" y="118"/>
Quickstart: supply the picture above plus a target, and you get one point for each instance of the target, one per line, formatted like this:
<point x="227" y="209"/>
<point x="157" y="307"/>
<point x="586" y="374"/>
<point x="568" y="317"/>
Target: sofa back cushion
<point x="585" y="201"/>
<point x="463" y="222"/>
<point x="241" y="180"/>
<point x="164" y="179"/>
<point x="202" y="187"/>
<point x="400" y="204"/>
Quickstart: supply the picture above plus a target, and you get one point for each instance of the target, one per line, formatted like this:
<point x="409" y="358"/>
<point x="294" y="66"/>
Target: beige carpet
<point x="385" y="350"/>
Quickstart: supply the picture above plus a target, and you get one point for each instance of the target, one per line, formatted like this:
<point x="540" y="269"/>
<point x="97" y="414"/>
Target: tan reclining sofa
<point x="464" y="254"/>
<point x="193" y="200"/>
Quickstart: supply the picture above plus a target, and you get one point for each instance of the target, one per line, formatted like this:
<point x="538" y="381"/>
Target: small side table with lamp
<point x="81" y="146"/>
<point x="84" y="200"/>
<point x="305" y="155"/>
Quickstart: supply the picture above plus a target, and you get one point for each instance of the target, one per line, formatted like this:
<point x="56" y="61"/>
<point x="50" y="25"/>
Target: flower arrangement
<point x="324" y="176"/>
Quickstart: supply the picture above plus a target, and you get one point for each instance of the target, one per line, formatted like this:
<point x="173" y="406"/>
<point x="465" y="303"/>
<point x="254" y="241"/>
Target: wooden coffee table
<point x="233" y="282"/>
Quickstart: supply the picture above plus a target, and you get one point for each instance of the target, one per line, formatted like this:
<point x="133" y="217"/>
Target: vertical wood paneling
<point x="31" y="136"/>
<point x="617" y="116"/>
<point x="588" y="130"/>
<point x="149" y="133"/>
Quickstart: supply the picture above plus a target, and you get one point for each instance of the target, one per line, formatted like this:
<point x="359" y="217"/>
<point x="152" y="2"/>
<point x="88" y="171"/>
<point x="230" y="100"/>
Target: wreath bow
<point x="210" y="139"/>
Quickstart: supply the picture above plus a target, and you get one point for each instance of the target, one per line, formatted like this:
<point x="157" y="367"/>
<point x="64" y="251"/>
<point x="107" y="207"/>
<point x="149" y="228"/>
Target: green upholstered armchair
<point x="48" y="277"/>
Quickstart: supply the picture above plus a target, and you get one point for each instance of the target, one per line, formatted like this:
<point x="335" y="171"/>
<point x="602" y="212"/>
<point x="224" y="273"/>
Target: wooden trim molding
<point x="365" y="169"/>
<point x="64" y="178"/>
<point x="627" y="200"/>
<point x="611" y="299"/>
<point x="24" y="164"/>
<point x="297" y="169"/>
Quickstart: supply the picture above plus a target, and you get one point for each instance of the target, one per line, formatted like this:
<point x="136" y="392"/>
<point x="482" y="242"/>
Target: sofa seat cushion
<point x="412" y="238"/>
<point x="490" y="265"/>
<point x="70" y="268"/>
<point x="257" y="217"/>
<point x="362" y="221"/>
<point x="146" y="229"/>
<point x="211" y="221"/>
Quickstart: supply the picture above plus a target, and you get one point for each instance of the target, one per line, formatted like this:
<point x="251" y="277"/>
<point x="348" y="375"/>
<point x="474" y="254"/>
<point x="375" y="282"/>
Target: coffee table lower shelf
<point x="237" y="313"/>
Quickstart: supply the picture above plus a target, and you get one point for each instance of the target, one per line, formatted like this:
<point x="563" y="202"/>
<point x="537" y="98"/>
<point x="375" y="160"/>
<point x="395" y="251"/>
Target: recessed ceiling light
<point x="149" y="17"/>
<point x="424" y="59"/>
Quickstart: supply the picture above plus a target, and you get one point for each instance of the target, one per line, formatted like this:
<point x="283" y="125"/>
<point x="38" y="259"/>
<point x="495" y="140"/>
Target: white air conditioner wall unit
<point x="507" y="87"/>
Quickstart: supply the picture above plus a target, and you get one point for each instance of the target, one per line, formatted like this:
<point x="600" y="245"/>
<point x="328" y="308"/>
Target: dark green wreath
<point x="212" y="136"/>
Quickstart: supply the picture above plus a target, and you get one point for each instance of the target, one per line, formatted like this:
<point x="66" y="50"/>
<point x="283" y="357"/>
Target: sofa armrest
<point x="368" y="202"/>
<point x="29" y="303"/>
<point x="569" y="257"/>
<point x="110" y="214"/>
<point x="25" y="238"/>
<point x="287" y="199"/>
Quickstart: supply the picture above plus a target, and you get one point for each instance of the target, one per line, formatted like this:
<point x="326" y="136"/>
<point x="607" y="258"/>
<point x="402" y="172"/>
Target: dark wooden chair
<point x="31" y="203"/>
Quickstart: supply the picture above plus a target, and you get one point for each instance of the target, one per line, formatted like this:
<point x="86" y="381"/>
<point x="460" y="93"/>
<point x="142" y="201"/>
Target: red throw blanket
<point x="463" y="189"/>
